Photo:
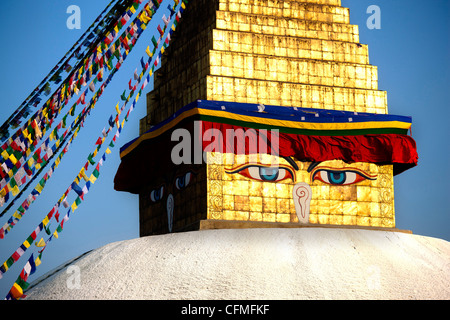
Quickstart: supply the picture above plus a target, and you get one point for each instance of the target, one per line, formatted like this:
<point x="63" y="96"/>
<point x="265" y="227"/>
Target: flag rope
<point x="16" y="291"/>
<point x="75" y="127"/>
<point x="12" y="184"/>
<point x="43" y="224"/>
<point x="44" y="116"/>
<point x="19" y="113"/>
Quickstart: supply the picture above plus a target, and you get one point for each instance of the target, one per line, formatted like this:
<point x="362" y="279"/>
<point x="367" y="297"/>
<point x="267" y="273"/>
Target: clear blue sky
<point x="411" y="51"/>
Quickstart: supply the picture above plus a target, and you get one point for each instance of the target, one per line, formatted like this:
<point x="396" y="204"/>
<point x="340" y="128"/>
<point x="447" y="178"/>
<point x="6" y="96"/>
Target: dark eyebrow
<point x="291" y="162"/>
<point x="312" y="166"/>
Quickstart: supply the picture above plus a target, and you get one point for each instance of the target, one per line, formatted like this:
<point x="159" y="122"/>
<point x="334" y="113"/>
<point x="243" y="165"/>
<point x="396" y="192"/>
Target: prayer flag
<point x="30" y="267"/>
<point x="77" y="189"/>
<point x="148" y="52"/>
<point x="41" y="243"/>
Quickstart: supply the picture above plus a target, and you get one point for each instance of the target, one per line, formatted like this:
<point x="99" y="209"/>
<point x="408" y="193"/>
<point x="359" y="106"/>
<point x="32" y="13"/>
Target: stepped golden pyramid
<point x="287" y="53"/>
<point x="293" y="54"/>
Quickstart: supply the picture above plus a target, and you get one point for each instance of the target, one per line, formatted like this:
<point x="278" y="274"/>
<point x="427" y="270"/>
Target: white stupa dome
<point x="304" y="263"/>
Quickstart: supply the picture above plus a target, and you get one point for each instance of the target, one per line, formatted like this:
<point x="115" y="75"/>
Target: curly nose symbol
<point x="170" y="206"/>
<point x="302" y="197"/>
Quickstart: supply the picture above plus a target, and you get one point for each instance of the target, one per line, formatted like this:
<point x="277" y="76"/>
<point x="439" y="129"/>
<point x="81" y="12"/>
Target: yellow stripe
<point x="307" y="125"/>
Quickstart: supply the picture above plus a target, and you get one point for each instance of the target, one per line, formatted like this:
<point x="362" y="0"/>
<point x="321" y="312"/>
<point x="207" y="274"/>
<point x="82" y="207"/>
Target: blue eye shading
<point x="268" y="173"/>
<point x="336" y="177"/>
<point x="157" y="194"/>
<point x="340" y="177"/>
<point x="264" y="173"/>
<point x="183" y="181"/>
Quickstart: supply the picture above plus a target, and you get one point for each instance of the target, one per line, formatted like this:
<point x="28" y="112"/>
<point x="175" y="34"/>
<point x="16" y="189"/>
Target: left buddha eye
<point x="264" y="173"/>
<point x="340" y="177"/>
<point x="183" y="181"/>
<point x="157" y="194"/>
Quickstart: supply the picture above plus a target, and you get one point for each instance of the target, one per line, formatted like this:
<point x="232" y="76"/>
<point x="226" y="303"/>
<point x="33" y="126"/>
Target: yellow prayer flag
<point x="13" y="159"/>
<point x="132" y="9"/>
<point x="108" y="151"/>
<point x="92" y="178"/>
<point x="5" y="154"/>
<point x="38" y="131"/>
<point x="45" y="221"/>
<point x="55" y="234"/>
<point x="83" y="175"/>
<point x="15" y="191"/>
<point x="117" y="108"/>
<point x="41" y="243"/>
<point x="16" y="291"/>
<point x="37" y="262"/>
<point x="144" y="17"/>
<point x="26" y="244"/>
<point x="38" y="188"/>
<point x="74" y="206"/>
<point x="17" y="215"/>
<point x="148" y="52"/>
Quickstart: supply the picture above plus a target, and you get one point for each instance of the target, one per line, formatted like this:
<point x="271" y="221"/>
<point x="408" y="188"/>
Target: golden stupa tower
<point x="289" y="53"/>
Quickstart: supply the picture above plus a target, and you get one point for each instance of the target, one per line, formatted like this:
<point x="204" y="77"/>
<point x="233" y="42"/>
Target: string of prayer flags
<point x="18" y="288"/>
<point x="54" y="133"/>
<point x="66" y="87"/>
<point x="60" y="93"/>
<point x="44" y="86"/>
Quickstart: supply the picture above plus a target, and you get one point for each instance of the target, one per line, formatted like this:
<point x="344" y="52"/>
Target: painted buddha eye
<point x="264" y="173"/>
<point x="340" y="177"/>
<point x="157" y="194"/>
<point x="183" y="181"/>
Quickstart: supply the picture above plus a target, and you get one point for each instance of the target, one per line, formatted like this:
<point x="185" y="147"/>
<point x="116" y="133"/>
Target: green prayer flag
<point x="154" y="41"/>
<point x="91" y="161"/>
<point x="47" y="229"/>
<point x="64" y="121"/>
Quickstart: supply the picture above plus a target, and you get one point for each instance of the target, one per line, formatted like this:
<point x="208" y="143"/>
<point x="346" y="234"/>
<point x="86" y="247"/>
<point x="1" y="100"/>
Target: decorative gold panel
<point x="365" y="198"/>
